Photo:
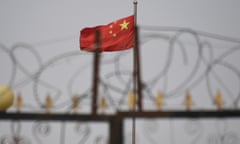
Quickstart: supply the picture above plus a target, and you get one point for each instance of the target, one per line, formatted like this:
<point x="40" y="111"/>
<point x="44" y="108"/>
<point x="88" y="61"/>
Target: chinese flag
<point x="115" y="36"/>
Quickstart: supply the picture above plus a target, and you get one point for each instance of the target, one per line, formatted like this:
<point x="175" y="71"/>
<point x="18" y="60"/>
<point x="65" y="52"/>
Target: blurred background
<point x="185" y="47"/>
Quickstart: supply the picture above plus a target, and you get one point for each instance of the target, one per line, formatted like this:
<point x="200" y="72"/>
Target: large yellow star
<point x="124" y="25"/>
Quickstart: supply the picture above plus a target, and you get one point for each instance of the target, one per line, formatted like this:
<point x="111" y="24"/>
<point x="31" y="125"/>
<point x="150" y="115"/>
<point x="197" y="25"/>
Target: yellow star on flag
<point x="124" y="25"/>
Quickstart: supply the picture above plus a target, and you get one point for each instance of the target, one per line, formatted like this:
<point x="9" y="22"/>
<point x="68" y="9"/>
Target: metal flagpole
<point x="137" y="60"/>
<point x="137" y="86"/>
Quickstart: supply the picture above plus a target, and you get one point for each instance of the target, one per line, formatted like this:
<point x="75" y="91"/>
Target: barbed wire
<point x="123" y="75"/>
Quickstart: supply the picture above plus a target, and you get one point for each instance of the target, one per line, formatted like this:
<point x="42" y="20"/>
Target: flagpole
<point x="136" y="74"/>
<point x="136" y="56"/>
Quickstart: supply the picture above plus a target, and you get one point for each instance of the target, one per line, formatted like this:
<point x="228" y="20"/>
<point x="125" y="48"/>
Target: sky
<point x="36" y="21"/>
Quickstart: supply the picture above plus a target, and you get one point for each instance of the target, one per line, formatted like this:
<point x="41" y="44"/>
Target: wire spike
<point x="218" y="100"/>
<point x="19" y="102"/>
<point x="131" y="100"/>
<point x="103" y="104"/>
<point x="159" y="100"/>
<point x="48" y="103"/>
<point x="75" y="103"/>
<point x="188" y="101"/>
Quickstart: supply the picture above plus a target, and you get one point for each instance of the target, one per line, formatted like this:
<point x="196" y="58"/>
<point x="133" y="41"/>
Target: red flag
<point x="115" y="36"/>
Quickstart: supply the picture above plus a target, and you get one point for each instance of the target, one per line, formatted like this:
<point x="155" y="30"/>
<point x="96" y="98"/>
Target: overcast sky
<point x="36" y="21"/>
